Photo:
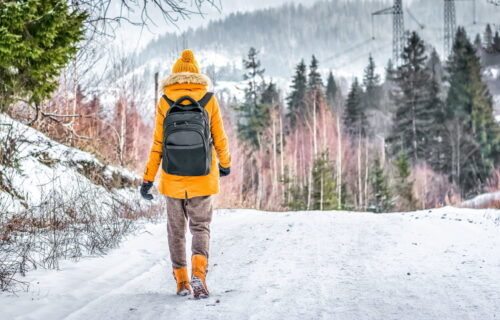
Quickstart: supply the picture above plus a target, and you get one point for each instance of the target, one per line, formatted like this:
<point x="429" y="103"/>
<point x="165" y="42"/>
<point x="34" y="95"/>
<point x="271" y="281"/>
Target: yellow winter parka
<point x="194" y="85"/>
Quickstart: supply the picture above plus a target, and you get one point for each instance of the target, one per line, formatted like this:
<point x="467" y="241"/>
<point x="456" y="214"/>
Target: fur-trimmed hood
<point x="186" y="77"/>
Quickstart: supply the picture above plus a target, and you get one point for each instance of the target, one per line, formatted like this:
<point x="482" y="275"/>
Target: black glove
<point x="146" y="185"/>
<point x="224" y="171"/>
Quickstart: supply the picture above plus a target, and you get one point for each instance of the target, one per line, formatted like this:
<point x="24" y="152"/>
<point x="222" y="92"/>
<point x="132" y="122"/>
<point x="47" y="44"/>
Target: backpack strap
<point x="202" y="102"/>
<point x="170" y="102"/>
<point x="206" y="98"/>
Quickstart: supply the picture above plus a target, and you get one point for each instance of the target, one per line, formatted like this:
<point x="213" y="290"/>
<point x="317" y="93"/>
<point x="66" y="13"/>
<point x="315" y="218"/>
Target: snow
<point x="481" y="200"/>
<point x="492" y="72"/>
<point x="47" y="167"/>
<point x="434" y="264"/>
<point x="496" y="107"/>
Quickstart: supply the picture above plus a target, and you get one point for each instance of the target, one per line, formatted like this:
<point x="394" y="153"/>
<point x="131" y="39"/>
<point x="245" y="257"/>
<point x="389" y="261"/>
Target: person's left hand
<point x="223" y="172"/>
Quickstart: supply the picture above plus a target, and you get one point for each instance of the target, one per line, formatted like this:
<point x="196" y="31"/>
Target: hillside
<point x="291" y="265"/>
<point x="57" y="202"/>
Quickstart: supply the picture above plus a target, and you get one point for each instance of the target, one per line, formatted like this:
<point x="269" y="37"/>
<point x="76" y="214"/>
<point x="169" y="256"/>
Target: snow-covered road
<point x="443" y="264"/>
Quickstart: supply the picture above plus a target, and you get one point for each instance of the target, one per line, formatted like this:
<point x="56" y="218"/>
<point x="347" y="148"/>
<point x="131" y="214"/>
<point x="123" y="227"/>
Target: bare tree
<point x="106" y="15"/>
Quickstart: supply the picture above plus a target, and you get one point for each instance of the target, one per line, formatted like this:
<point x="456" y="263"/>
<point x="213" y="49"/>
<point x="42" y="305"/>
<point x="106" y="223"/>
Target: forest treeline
<point x="424" y="137"/>
<point x="421" y="135"/>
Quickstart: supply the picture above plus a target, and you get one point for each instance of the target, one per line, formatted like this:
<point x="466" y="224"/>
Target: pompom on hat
<point x="186" y="63"/>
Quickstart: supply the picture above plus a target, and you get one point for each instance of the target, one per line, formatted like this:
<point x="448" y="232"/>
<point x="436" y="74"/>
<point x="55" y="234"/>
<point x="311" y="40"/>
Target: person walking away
<point x="188" y="140"/>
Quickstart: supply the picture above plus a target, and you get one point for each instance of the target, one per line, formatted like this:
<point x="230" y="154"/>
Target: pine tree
<point x="254" y="115"/>
<point x="315" y="83"/>
<point x="496" y="43"/>
<point x="297" y="98"/>
<point x="355" y="119"/>
<point x="270" y="95"/>
<point x="436" y="67"/>
<point x="413" y="119"/>
<point x="331" y="91"/>
<point x="371" y="79"/>
<point x="478" y="43"/>
<point x="488" y="38"/>
<point x="473" y="134"/>
<point x="295" y="193"/>
<point x="254" y="73"/>
<point x="324" y="186"/>
<point x="298" y="197"/>
<point x="373" y="90"/>
<point x="390" y="71"/>
<point x="404" y="186"/>
<point x="437" y="149"/>
<point x="381" y="196"/>
<point x="37" y="39"/>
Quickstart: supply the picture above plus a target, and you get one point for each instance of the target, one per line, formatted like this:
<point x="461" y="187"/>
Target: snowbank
<point x="45" y="167"/>
<point x="482" y="200"/>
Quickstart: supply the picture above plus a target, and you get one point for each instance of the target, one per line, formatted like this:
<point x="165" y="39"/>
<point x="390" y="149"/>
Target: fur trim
<point x="186" y="77"/>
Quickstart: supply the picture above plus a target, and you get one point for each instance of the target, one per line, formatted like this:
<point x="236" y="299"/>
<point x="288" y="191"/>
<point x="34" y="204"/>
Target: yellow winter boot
<point x="182" y="278"/>
<point x="199" y="271"/>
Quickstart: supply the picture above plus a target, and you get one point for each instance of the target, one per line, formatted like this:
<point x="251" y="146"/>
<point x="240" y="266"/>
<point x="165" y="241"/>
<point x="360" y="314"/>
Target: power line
<point x="356" y="46"/>
<point x="421" y="25"/>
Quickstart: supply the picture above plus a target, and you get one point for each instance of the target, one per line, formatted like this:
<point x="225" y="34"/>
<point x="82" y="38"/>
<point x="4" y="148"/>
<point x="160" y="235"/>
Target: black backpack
<point x="187" y="140"/>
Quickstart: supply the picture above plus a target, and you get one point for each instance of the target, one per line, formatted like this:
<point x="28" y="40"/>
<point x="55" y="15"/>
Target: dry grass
<point x="64" y="226"/>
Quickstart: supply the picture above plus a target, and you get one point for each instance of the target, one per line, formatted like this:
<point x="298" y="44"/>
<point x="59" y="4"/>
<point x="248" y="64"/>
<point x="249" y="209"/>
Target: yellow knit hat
<point x="186" y="63"/>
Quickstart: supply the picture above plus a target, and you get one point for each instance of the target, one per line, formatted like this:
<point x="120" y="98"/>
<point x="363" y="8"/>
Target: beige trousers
<point x="198" y="212"/>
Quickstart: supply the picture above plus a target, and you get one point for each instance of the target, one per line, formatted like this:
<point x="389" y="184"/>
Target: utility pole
<point x="449" y="25"/>
<point x="398" y="28"/>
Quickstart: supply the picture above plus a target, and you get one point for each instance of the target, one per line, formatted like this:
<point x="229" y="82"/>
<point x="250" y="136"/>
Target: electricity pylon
<point x="450" y="21"/>
<point x="449" y="25"/>
<point x="398" y="29"/>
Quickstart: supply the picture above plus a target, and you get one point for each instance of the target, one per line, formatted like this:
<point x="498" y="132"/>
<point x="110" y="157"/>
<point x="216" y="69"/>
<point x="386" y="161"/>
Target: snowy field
<point x="439" y="264"/>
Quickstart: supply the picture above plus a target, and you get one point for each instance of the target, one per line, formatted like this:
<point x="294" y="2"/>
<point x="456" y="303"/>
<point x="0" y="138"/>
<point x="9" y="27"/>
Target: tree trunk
<point x="339" y="162"/>
<point x="414" y="131"/>
<point x="360" y="186"/>
<point x="459" y="160"/>
<point x="315" y="142"/>
<point x="123" y="128"/>
<point x="309" y="189"/>
<point x="309" y="183"/>
<point x="282" y="153"/>
<point x="275" y="156"/>
<point x="366" y="175"/>
<point x="75" y="90"/>
<point x="321" y="192"/>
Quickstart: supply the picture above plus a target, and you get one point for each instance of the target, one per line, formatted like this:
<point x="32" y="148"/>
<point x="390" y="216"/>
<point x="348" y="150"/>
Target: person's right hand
<point x="146" y="185"/>
<point x="223" y="172"/>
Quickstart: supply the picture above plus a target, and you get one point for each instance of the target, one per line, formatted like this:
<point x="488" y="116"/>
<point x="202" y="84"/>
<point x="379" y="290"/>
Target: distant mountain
<point x="339" y="33"/>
